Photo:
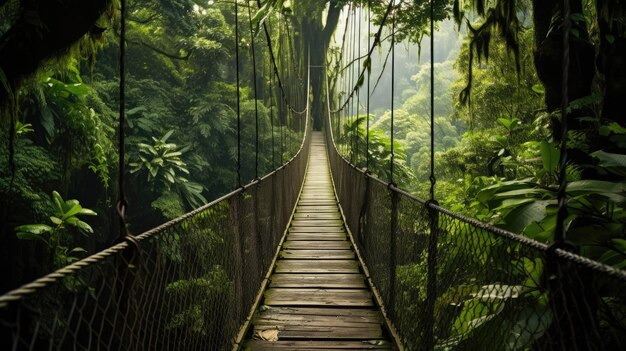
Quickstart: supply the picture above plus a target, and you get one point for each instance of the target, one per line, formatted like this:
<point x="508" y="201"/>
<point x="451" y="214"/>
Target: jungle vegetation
<point x="497" y="99"/>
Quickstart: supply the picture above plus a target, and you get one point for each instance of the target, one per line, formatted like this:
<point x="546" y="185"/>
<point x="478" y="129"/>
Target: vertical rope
<point x="238" y="96"/>
<point x="431" y="287"/>
<point x="369" y="74"/>
<point x="358" y="92"/>
<point x="559" y="234"/>
<point x="256" y="103"/>
<point x="122" y="203"/>
<point x="393" y="81"/>
<point x="352" y="58"/>
<point x="272" y="116"/>
<point x="432" y="178"/>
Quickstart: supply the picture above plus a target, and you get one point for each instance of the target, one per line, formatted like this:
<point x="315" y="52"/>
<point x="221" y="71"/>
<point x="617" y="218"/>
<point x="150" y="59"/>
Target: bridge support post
<point x="431" y="287"/>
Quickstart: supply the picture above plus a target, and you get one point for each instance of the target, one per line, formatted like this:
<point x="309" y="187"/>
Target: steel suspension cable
<point x="239" y="185"/>
<point x="559" y="234"/>
<point x="256" y="103"/>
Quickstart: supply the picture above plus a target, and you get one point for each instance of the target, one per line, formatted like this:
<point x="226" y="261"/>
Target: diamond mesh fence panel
<point x="186" y="285"/>
<point x="448" y="282"/>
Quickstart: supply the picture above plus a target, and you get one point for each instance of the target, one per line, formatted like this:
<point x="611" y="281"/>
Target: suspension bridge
<point x="320" y="254"/>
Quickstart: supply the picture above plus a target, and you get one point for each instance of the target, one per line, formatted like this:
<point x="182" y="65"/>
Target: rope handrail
<point x="562" y="254"/>
<point x="32" y="287"/>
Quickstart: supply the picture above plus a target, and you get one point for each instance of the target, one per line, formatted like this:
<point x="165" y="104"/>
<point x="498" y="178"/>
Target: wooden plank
<point x="316" y="266"/>
<point x="335" y="229"/>
<point x="318" y="297"/>
<point x="317" y="237"/>
<point x="318" y="254"/>
<point x="318" y="280"/>
<point x="317" y="215"/>
<point x="325" y="311"/>
<point x="306" y="345"/>
<point x="317" y="245"/>
<point x="316" y="209"/>
<point x="310" y="330"/>
<point x="316" y="222"/>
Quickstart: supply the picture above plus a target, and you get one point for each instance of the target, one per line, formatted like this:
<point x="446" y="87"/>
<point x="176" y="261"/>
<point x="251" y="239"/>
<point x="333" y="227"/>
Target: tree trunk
<point x="316" y="39"/>
<point x="548" y="55"/>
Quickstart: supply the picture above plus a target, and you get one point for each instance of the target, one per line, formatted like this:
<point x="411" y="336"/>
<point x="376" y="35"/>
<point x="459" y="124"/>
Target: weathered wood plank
<point x="317" y="237"/>
<point x="335" y="229"/>
<point x="331" y="208"/>
<point x="318" y="280"/>
<point x="317" y="266"/>
<point x="318" y="254"/>
<point x="316" y="222"/>
<point x="318" y="297"/>
<point x="316" y="245"/>
<point x="259" y="345"/>
<point x="326" y="311"/>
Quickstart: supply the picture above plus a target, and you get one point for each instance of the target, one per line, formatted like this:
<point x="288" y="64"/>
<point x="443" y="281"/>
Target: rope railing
<point x="449" y="282"/>
<point x="188" y="284"/>
<point x="196" y="283"/>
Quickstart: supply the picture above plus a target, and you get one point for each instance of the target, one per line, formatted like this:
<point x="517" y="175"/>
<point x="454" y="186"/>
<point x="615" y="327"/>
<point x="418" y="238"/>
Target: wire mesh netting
<point x="448" y="282"/>
<point x="186" y="285"/>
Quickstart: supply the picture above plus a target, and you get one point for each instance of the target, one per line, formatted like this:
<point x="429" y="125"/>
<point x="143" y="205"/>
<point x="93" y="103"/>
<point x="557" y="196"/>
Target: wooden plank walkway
<point x="317" y="298"/>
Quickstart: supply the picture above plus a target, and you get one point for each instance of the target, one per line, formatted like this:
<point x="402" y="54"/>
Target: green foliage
<point x="354" y="133"/>
<point x="162" y="165"/>
<point x="205" y="294"/>
<point x="58" y="235"/>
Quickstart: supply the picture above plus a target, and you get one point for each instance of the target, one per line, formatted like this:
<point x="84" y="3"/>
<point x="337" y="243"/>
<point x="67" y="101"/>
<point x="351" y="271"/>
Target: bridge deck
<point x="318" y="298"/>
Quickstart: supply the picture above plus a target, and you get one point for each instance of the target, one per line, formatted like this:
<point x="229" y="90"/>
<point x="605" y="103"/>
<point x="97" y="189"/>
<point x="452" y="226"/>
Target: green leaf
<point x="56" y="220"/>
<point x="77" y="249"/>
<point x="87" y="212"/>
<point x="78" y="89"/>
<point x="167" y="136"/>
<point x="550" y="156"/>
<point x="80" y="225"/>
<point x="58" y="203"/>
<point x="614" y="163"/>
<point x="75" y="209"/>
<point x="518" y="219"/>
<point x="594" y="186"/>
<point x="539" y="89"/>
<point x="31" y="230"/>
<point x="27" y="236"/>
